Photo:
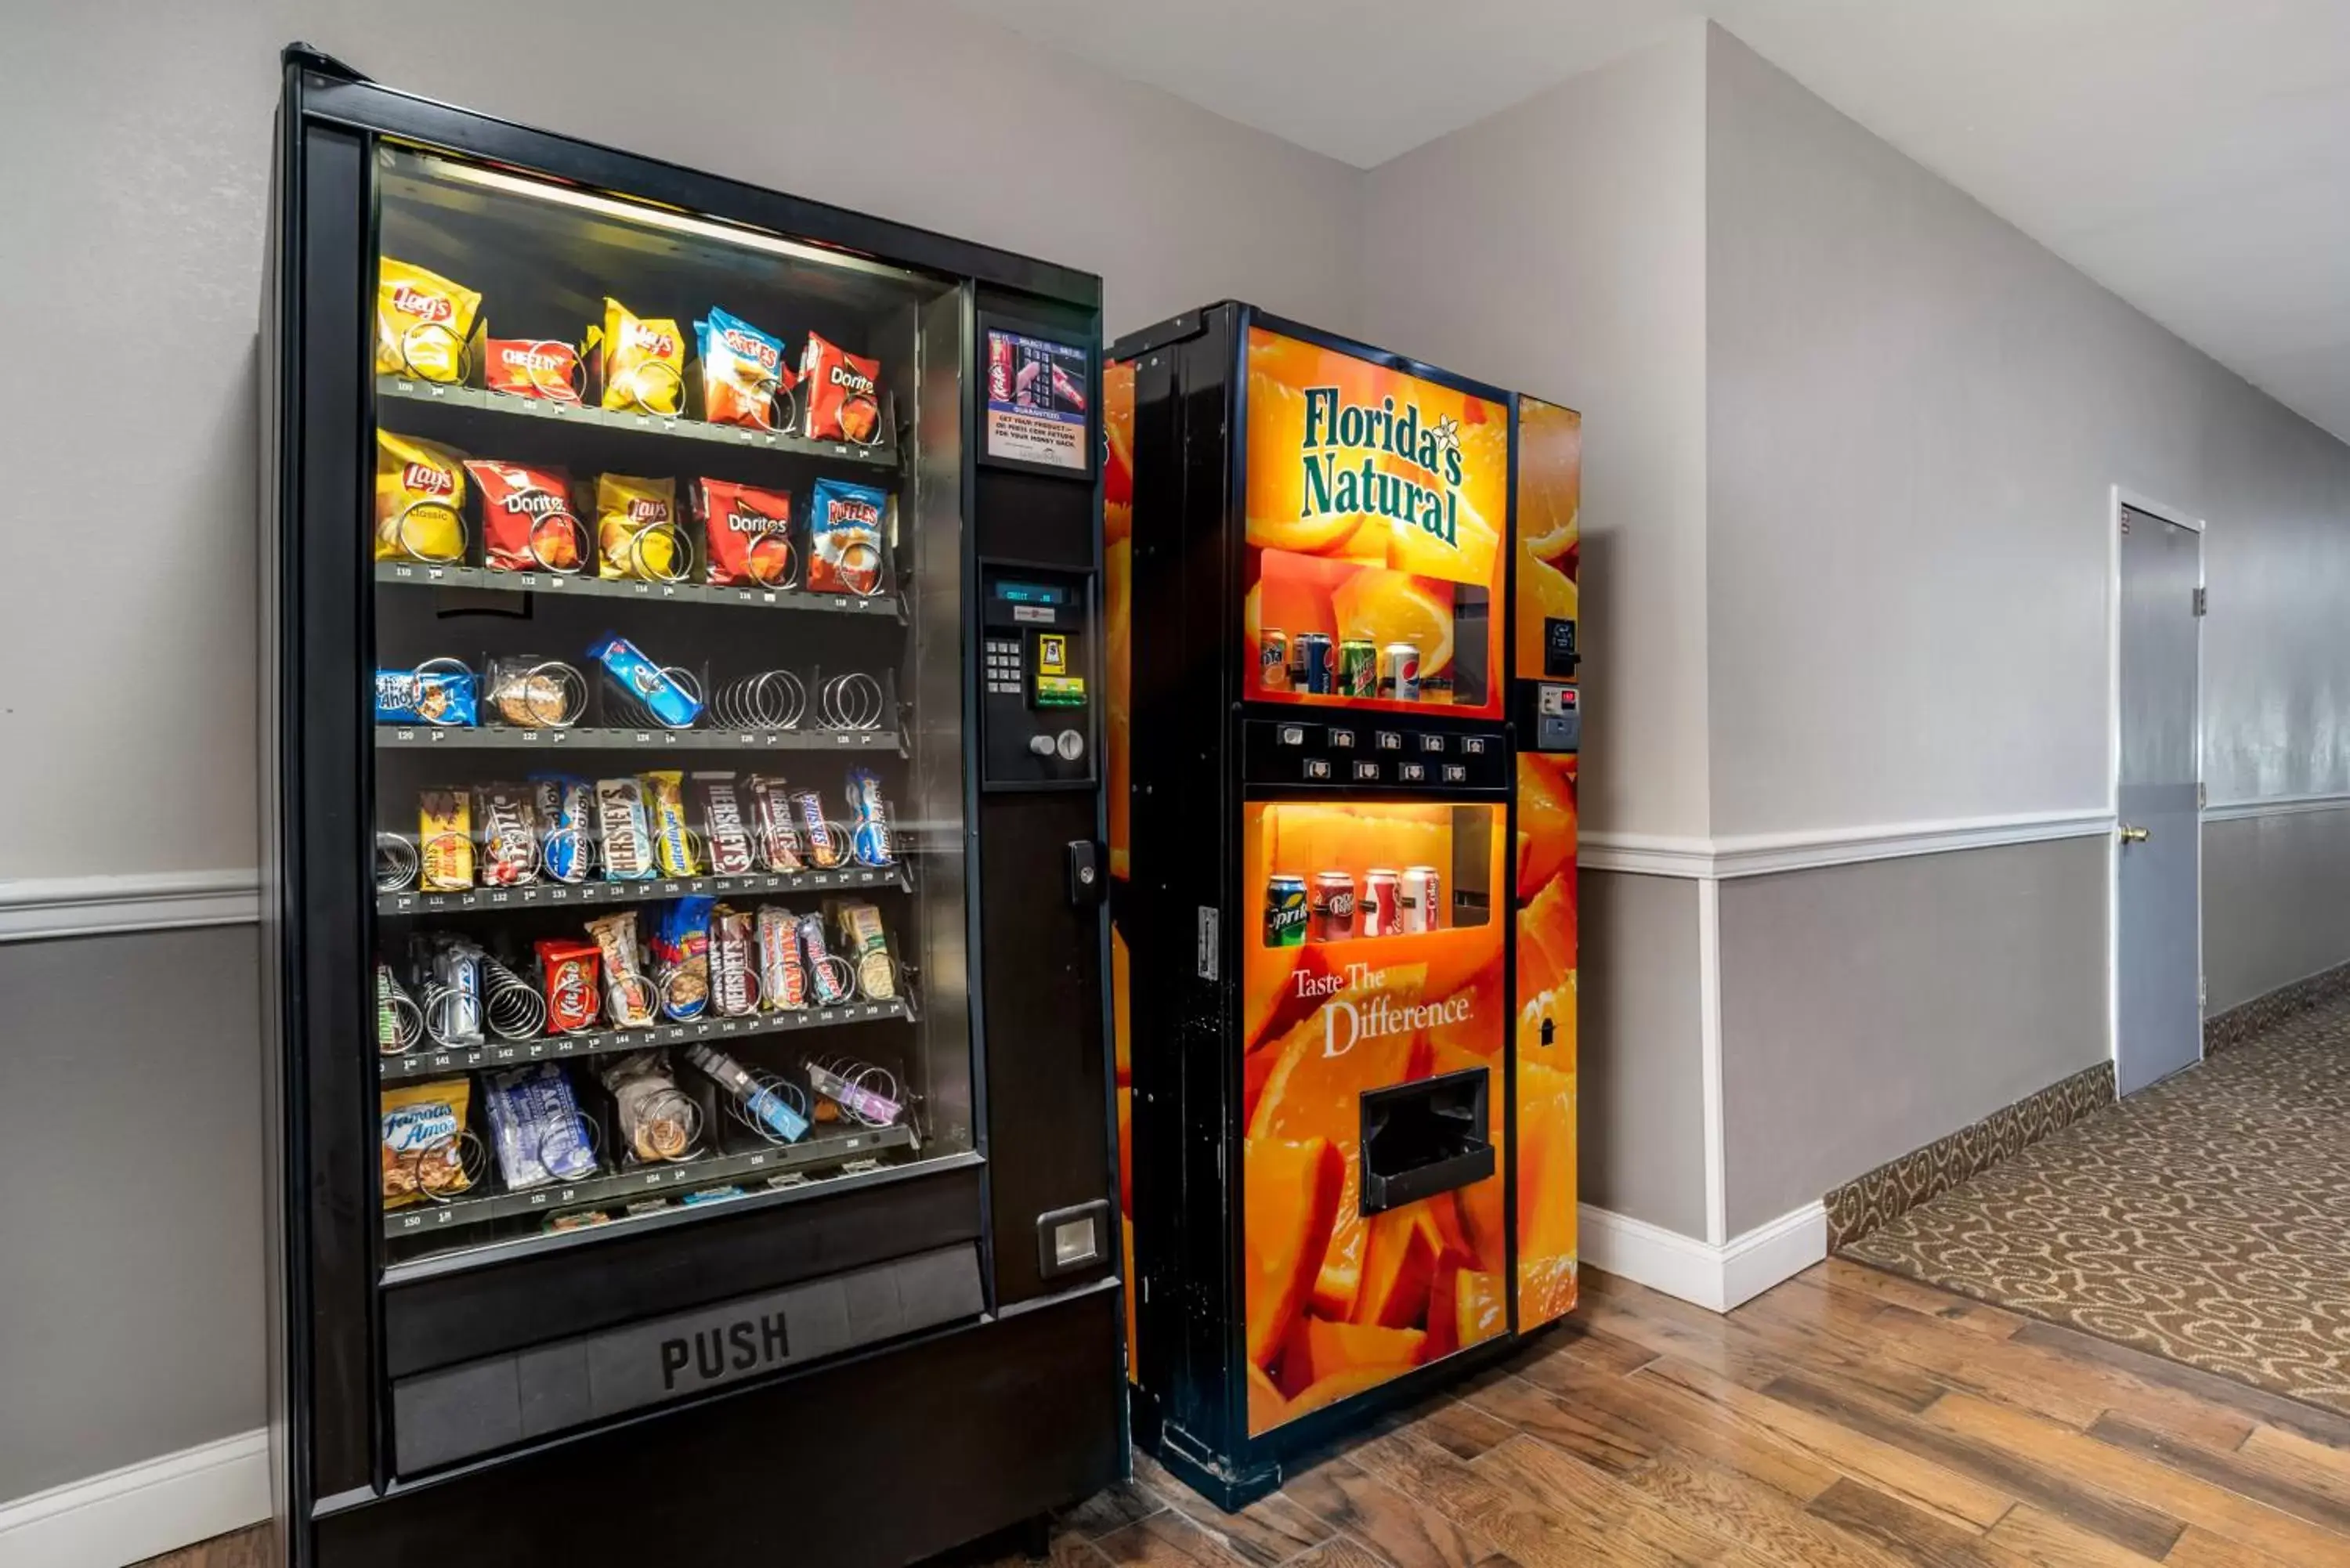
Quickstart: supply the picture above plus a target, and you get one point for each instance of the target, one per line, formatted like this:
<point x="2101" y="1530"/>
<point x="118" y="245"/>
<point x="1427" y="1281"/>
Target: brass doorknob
<point x="2133" y="835"/>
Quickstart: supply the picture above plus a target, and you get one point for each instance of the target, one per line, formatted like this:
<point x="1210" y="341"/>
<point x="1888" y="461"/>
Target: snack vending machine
<point x="685" y="947"/>
<point x="1345" y="727"/>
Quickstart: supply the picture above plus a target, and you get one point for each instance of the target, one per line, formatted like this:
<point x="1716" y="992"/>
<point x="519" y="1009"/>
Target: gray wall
<point x="1640" y="1075"/>
<point x="1867" y="1010"/>
<point x="1914" y="418"/>
<point x="130" y="1231"/>
<point x="143" y="223"/>
<point x="1558" y="247"/>
<point x="2276" y="901"/>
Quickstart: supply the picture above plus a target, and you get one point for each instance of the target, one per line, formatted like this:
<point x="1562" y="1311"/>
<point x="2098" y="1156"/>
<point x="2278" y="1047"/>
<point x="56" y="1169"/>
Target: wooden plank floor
<point x="1845" y="1419"/>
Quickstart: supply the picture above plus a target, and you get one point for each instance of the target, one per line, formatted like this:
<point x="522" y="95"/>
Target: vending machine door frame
<point x="331" y="1352"/>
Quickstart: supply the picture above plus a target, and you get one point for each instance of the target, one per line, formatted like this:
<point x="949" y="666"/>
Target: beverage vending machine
<point x="684" y="946"/>
<point x="1343" y="734"/>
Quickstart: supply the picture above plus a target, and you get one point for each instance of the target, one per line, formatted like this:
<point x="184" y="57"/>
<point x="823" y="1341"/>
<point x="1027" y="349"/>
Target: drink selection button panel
<point x="1281" y="753"/>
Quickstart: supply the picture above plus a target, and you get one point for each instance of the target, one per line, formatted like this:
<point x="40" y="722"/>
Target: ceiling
<point x="2191" y="155"/>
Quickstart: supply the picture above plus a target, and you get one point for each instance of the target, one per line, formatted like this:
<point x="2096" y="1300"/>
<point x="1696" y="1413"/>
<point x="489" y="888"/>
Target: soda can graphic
<point x="1403" y="671"/>
<point x="1309" y="667"/>
<point x="1358" y="668"/>
<point x="1422" y="899"/>
<point x="1382" y="900"/>
<point x="1272" y="660"/>
<point x="1284" y="912"/>
<point x="1330" y="913"/>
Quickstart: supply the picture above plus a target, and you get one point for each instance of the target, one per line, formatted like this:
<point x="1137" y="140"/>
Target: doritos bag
<point x="843" y="393"/>
<point x="742" y="372"/>
<point x="747" y="532"/>
<point x="529" y="523"/>
<point x="422" y="322"/>
<point x="641" y="362"/>
<point x="420" y="499"/>
<point x="637" y="532"/>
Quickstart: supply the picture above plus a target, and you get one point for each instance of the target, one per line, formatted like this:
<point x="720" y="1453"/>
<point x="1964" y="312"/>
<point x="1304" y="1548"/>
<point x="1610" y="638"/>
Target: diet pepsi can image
<point x="1272" y="660"/>
<point x="1309" y="664"/>
<point x="1403" y="671"/>
<point x="1284" y="912"/>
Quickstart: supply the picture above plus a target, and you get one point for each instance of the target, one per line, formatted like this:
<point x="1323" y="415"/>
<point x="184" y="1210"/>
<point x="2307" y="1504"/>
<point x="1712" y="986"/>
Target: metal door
<point x="2158" y="956"/>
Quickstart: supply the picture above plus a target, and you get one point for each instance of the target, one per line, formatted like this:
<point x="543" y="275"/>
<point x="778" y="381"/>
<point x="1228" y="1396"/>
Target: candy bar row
<point x="425" y="327"/>
<point x="432" y="503"/>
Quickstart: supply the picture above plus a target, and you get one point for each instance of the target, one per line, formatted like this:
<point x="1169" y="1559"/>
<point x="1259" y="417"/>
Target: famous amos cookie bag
<point x="420" y="500"/>
<point x="421" y="323"/>
<point x="747" y="533"/>
<point x="845" y="523"/>
<point x="842" y="392"/>
<point x="747" y="377"/>
<point x="424" y="1153"/>
<point x="637" y="530"/>
<point x="529" y="521"/>
<point x="640" y="361"/>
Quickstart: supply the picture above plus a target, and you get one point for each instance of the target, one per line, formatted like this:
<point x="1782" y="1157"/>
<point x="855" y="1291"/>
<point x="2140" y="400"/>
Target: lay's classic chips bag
<point x="421" y="323"/>
<point x="641" y="361"/>
<point x="637" y="529"/>
<point x="420" y="500"/>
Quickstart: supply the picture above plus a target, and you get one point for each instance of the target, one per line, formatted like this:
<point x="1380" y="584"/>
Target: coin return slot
<point x="1424" y="1138"/>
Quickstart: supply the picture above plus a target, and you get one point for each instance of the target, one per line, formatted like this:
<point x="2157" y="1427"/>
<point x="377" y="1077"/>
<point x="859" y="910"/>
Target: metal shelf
<point x="883" y="455"/>
<point x="853" y="1143"/>
<point x="566" y="895"/>
<point x="412" y="574"/>
<point x="583" y="738"/>
<point x="495" y="1052"/>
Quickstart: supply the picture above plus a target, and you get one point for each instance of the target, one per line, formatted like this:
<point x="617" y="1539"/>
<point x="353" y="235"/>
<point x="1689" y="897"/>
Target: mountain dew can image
<point x="1358" y="668"/>
<point x="1284" y="912"/>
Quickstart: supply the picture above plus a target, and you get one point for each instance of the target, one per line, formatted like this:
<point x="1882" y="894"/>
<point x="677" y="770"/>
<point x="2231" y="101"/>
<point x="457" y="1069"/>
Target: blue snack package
<point x="681" y="954"/>
<point x="742" y="369"/>
<point x="567" y="825"/>
<point x="536" y="1122"/>
<point x="868" y="830"/>
<point x="645" y="681"/>
<point x="845" y="537"/>
<point x="439" y="692"/>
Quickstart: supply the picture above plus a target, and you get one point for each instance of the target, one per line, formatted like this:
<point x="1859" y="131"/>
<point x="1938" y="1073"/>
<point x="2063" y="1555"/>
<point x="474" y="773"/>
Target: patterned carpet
<point x="2206" y="1219"/>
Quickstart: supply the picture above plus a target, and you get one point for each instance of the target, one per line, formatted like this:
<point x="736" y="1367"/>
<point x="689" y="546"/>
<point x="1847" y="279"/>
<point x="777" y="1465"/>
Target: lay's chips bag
<point x="641" y="361"/>
<point x="421" y="323"/>
<point x="420" y="500"/>
<point x="637" y="530"/>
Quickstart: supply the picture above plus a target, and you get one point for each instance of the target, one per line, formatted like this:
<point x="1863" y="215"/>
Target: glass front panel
<point x="1375" y="1015"/>
<point x="1376" y="507"/>
<point x="667" y="776"/>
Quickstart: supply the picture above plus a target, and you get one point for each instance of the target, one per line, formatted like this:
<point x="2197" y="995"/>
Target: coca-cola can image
<point x="1382" y="902"/>
<point x="1422" y="898"/>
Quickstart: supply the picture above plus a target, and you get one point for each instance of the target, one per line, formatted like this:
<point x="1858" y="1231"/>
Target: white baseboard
<point x="35" y="909"/>
<point x="1715" y="1278"/>
<point x="140" y="1511"/>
